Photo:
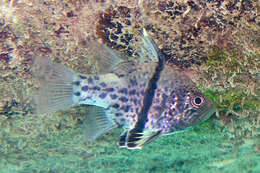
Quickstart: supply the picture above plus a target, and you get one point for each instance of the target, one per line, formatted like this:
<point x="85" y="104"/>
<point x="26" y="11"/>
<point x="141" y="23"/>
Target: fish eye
<point x="197" y="101"/>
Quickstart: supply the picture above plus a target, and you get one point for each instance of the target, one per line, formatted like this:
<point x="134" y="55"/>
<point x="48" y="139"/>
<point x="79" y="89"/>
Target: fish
<point x="146" y="97"/>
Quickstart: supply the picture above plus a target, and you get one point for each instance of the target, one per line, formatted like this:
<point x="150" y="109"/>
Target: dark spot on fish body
<point x="97" y="88"/>
<point x="158" y="108"/>
<point x="89" y="97"/>
<point x="171" y="112"/>
<point x="123" y="91"/>
<point x="103" y="95"/>
<point x="96" y="77"/>
<point x="77" y="93"/>
<point x="125" y="108"/>
<point x="77" y="83"/>
<point x="142" y="85"/>
<point x="135" y="101"/>
<point x="84" y="88"/>
<point x="103" y="84"/>
<point x="121" y="75"/>
<point x="142" y="92"/>
<point x="152" y="123"/>
<point x="132" y="92"/>
<point x="118" y="114"/>
<point x="133" y="116"/>
<point x="90" y="80"/>
<point x="86" y="98"/>
<point x="115" y="105"/>
<point x="133" y="81"/>
<point x="137" y="110"/>
<point x="82" y="77"/>
<point x="109" y="89"/>
<point x="122" y="120"/>
<point x="186" y="106"/>
<point x="180" y="106"/>
<point x="123" y="99"/>
<point x="164" y="99"/>
<point x="113" y="96"/>
<point x="173" y="93"/>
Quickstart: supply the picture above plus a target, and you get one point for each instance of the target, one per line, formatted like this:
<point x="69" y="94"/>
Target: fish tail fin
<point x="55" y="90"/>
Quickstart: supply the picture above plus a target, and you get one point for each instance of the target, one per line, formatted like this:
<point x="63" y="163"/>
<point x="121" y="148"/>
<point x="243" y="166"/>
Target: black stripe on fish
<point x="136" y="133"/>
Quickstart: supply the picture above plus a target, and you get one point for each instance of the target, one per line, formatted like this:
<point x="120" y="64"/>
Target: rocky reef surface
<point x="219" y="39"/>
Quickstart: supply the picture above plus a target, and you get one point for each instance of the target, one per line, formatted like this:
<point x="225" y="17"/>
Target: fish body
<point x="148" y="98"/>
<point x="120" y="93"/>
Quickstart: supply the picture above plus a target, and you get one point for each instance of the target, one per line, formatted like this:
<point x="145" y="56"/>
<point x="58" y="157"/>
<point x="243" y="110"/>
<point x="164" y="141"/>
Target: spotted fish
<point x="148" y="98"/>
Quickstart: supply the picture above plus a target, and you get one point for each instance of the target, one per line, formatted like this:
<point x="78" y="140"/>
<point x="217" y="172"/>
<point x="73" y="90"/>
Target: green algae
<point x="233" y="100"/>
<point x="191" y="151"/>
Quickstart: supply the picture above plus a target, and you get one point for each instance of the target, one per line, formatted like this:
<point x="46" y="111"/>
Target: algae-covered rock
<point x="218" y="39"/>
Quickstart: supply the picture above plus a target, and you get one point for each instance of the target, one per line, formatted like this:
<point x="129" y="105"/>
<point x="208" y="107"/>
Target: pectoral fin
<point x="97" y="123"/>
<point x="133" y="139"/>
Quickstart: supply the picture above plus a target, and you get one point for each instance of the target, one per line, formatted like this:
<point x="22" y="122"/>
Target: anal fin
<point x="97" y="123"/>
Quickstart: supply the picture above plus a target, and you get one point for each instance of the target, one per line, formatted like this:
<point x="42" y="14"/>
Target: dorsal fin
<point x="125" y="68"/>
<point x="149" y="49"/>
<point x="105" y="57"/>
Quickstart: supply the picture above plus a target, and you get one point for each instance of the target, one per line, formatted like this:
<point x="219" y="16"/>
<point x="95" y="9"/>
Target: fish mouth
<point x="205" y="114"/>
<point x="209" y="110"/>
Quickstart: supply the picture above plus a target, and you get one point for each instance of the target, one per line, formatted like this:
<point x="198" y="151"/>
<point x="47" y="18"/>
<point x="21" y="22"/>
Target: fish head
<point x="186" y="107"/>
<point x="173" y="109"/>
